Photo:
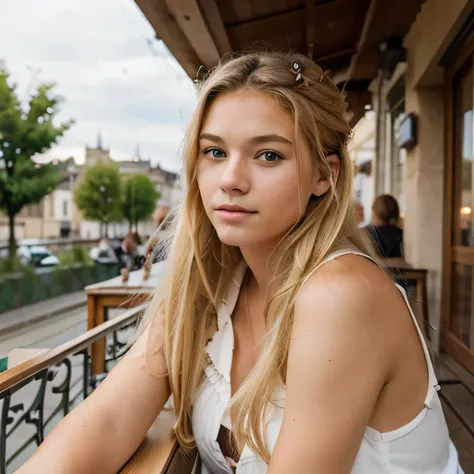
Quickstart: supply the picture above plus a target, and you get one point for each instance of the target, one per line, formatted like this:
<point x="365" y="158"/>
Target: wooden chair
<point x="415" y="278"/>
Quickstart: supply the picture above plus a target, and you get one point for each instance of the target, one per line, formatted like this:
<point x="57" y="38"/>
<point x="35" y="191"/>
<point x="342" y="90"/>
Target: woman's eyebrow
<point x="254" y="140"/>
<point x="211" y="137"/>
<point x="269" y="138"/>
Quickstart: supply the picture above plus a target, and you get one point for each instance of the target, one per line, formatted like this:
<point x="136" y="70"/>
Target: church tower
<point x="98" y="154"/>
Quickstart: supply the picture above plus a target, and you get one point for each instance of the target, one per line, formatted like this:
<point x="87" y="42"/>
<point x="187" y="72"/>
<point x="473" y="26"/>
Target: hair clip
<point x="296" y="70"/>
<point x="200" y="74"/>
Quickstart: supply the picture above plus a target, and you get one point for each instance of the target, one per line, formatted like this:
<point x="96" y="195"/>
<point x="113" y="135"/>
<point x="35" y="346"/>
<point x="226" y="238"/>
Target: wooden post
<point x="98" y="348"/>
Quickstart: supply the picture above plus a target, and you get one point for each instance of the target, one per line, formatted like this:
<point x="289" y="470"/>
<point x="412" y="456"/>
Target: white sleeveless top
<point x="420" y="447"/>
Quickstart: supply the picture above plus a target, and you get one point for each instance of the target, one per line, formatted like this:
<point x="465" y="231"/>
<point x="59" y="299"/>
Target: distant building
<point x="166" y="184"/>
<point x="57" y="216"/>
<point x="49" y="218"/>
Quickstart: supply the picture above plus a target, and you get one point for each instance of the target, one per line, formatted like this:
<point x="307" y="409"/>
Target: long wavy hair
<point x="200" y="267"/>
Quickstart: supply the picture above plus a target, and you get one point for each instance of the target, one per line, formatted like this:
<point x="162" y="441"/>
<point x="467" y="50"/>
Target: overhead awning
<point x="343" y="36"/>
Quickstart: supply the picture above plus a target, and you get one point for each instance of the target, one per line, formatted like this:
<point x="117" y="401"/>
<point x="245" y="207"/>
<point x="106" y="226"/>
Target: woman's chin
<point x="237" y="237"/>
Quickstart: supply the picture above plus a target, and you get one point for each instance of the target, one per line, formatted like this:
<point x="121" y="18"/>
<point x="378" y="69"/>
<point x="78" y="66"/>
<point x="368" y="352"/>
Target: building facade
<point x="166" y="183"/>
<point x="423" y="100"/>
<point x="57" y="216"/>
<point x="49" y="218"/>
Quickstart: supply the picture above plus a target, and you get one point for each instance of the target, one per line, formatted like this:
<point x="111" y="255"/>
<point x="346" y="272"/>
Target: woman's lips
<point x="234" y="214"/>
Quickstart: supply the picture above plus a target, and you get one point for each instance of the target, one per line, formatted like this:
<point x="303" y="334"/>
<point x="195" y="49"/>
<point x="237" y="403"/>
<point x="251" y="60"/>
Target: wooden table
<point x="152" y="455"/>
<point x="115" y="293"/>
<point x="160" y="453"/>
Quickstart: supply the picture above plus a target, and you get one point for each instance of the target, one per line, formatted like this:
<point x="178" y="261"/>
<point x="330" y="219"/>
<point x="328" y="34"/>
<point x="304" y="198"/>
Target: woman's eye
<point x="269" y="156"/>
<point x="215" y="153"/>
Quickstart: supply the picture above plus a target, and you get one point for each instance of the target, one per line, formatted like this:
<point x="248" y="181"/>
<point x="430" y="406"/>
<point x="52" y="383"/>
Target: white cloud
<point x="98" y="55"/>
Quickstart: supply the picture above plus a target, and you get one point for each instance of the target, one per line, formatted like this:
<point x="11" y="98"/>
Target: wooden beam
<point x="299" y="9"/>
<point x="216" y="25"/>
<point x="385" y="20"/>
<point x="264" y="28"/>
<point x="336" y="54"/>
<point x="329" y="26"/>
<point x="369" y="18"/>
<point x="310" y="30"/>
<point x="166" y="28"/>
<point x="193" y="25"/>
<point x="261" y="28"/>
<point x="357" y="100"/>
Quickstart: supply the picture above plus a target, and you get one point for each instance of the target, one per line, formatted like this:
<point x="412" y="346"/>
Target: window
<point x="459" y="252"/>
<point x="65" y="208"/>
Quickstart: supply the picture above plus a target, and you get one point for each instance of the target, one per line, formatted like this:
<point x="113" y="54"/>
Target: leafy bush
<point x="75" y="256"/>
<point x="13" y="264"/>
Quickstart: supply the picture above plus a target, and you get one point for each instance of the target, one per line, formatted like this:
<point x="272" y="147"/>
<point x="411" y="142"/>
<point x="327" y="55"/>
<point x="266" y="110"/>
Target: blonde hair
<point x="200" y="266"/>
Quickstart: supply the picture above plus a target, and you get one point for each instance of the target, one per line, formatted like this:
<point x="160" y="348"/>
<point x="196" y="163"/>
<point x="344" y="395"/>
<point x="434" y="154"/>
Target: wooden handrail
<point x="17" y="374"/>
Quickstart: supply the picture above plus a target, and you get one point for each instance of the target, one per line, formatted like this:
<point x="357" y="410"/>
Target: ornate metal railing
<point x="44" y="371"/>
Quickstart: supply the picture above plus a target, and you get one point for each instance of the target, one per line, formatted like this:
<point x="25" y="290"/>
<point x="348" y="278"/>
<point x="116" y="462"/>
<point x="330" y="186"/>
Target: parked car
<point x="37" y="256"/>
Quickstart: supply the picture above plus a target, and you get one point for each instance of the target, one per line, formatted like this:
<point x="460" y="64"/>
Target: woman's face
<point x="252" y="189"/>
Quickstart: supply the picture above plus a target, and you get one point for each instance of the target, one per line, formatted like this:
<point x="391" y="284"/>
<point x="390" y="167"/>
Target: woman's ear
<point x="322" y="186"/>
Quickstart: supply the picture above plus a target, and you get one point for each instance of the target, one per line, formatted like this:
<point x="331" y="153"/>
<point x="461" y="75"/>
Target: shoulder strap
<point x="347" y="250"/>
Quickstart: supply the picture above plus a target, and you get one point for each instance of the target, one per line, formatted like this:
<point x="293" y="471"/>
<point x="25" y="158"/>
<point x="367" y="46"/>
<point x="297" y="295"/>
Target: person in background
<point x="105" y="250"/>
<point x="125" y="253"/>
<point x="359" y="213"/>
<point x="384" y="232"/>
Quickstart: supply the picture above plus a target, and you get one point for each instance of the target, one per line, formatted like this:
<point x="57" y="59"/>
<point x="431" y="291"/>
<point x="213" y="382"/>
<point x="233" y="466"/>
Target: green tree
<point x="99" y="195"/>
<point x="24" y="132"/>
<point x="140" y="198"/>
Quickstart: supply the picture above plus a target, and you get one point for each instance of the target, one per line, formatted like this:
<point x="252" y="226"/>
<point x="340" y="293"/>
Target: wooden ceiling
<point x="342" y="36"/>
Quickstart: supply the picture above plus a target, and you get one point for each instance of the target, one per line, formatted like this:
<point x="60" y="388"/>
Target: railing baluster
<point x="44" y="369"/>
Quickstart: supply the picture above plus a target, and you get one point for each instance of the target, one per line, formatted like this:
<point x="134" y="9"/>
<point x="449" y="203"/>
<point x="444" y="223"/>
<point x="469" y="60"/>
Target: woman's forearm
<point x="82" y="443"/>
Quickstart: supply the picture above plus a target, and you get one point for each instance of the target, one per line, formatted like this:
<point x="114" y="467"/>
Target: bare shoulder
<point x="347" y="275"/>
<point x="340" y="357"/>
<point x="351" y="295"/>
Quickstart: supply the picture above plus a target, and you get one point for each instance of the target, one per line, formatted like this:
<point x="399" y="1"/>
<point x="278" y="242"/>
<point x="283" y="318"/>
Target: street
<point x="47" y="333"/>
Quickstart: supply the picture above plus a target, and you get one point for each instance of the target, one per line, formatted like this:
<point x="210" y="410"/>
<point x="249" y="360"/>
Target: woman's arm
<point x="338" y="362"/>
<point x="101" y="434"/>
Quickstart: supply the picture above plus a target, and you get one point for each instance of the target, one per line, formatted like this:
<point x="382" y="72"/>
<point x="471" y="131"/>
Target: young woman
<point x="285" y="346"/>
<point x="384" y="232"/>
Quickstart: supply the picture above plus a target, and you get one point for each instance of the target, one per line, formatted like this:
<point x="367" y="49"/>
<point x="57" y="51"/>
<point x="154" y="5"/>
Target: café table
<point x="151" y="456"/>
<point x="160" y="453"/>
<point x="117" y="293"/>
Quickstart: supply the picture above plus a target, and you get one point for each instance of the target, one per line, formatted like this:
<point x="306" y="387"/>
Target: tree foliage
<point x="99" y="194"/>
<point x="140" y="198"/>
<point x="25" y="132"/>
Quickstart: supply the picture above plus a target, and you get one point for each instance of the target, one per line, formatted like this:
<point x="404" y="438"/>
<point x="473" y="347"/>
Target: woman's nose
<point x="235" y="177"/>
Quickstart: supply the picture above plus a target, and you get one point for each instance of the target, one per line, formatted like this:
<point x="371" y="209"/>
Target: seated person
<point x="385" y="234"/>
<point x="126" y="254"/>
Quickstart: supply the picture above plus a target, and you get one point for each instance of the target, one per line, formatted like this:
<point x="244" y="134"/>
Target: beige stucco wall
<point x="434" y="28"/>
<point x="37" y="228"/>
<point x="30" y="228"/>
<point x="423" y="225"/>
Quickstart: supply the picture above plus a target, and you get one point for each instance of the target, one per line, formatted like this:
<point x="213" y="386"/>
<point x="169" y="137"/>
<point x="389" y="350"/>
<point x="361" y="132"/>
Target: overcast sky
<point x="98" y="54"/>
